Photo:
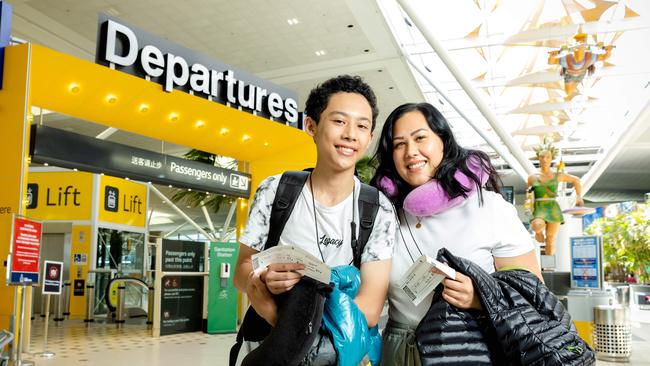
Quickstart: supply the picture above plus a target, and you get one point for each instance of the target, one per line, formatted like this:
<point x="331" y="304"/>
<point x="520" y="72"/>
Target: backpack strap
<point x="289" y="188"/>
<point x="368" y="208"/>
<point x="254" y="327"/>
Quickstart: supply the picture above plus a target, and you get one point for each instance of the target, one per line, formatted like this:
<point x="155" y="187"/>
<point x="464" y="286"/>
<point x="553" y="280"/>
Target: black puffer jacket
<point x="522" y="323"/>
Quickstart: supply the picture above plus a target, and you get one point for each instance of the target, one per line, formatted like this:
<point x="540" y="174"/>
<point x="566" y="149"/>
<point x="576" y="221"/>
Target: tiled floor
<point x="105" y="345"/>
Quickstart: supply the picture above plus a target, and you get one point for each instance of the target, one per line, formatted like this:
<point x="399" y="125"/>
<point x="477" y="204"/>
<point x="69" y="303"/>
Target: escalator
<point x="136" y="299"/>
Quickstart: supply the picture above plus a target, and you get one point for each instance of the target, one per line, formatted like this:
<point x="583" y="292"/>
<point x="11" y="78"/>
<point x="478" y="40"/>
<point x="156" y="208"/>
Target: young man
<point x="341" y="115"/>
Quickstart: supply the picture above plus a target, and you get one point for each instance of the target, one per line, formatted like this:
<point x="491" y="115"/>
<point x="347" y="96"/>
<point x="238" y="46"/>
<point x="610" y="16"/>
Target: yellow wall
<point x="81" y="242"/>
<point x="56" y="72"/>
<point x="14" y="134"/>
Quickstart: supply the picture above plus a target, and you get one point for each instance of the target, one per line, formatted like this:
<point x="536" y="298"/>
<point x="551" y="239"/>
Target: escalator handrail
<point x="138" y="281"/>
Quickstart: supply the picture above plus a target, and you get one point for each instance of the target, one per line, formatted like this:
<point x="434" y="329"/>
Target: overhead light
<point x="173" y="117"/>
<point x="74" y="88"/>
<point x="223" y="131"/>
<point x="292" y="21"/>
<point x="111" y="99"/>
<point x="245" y="138"/>
<point x="199" y="124"/>
<point x="144" y="108"/>
<point x="320" y="53"/>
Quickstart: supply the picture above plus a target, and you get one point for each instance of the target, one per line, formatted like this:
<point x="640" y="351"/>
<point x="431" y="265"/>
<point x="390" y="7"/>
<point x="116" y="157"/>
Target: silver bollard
<point x="65" y="292"/>
<point x="150" y="306"/>
<point x="90" y="303"/>
<point x="44" y="299"/>
<point x="58" y="308"/>
<point x="119" y="317"/>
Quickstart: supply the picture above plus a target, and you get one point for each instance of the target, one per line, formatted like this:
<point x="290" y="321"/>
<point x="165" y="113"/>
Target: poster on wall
<point x="181" y="303"/>
<point x="586" y="262"/>
<point x="79" y="286"/>
<point x="25" y="251"/>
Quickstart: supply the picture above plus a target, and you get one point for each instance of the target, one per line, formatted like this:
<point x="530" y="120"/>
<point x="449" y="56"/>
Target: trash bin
<point x="581" y="305"/>
<point x="612" y="333"/>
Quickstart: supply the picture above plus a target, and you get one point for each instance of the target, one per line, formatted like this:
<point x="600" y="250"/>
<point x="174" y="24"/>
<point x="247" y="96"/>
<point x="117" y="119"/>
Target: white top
<point x="477" y="233"/>
<point x="334" y="229"/>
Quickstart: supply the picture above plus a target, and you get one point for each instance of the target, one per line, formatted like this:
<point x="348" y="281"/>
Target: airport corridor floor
<point x="103" y="344"/>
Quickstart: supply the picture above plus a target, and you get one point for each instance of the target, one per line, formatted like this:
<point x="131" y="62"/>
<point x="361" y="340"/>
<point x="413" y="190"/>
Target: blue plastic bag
<point x="342" y="318"/>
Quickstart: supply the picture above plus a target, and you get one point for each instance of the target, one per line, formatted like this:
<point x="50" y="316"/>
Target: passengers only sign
<point x="100" y="156"/>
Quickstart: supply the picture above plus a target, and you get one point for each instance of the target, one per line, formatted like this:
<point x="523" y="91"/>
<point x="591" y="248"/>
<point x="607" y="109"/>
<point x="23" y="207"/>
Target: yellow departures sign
<point x="122" y="201"/>
<point x="59" y="195"/>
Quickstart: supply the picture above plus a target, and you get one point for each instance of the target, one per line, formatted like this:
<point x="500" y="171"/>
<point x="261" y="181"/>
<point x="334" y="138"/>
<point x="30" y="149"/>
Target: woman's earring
<point x="387" y="186"/>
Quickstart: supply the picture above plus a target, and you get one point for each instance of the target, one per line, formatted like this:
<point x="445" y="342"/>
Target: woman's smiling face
<point x="417" y="150"/>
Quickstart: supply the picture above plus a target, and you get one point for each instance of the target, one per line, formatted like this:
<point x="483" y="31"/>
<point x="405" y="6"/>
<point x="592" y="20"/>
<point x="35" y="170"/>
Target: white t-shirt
<point x="334" y="231"/>
<point x="474" y="232"/>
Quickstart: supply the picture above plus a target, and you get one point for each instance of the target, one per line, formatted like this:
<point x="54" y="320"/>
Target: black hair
<point x="319" y="97"/>
<point x="454" y="157"/>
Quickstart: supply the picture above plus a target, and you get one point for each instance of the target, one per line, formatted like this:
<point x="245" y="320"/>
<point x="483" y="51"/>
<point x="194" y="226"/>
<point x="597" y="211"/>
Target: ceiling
<point x="500" y="45"/>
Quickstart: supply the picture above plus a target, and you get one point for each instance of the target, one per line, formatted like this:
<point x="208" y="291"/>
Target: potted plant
<point x="626" y="243"/>
<point x="366" y="168"/>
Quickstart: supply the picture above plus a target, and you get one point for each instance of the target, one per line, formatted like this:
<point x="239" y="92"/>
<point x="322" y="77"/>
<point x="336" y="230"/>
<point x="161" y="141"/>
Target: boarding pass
<point x="314" y="267"/>
<point x="419" y="281"/>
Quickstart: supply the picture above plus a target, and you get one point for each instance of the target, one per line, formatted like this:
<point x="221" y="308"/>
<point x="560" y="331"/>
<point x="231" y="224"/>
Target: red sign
<point x="25" y="250"/>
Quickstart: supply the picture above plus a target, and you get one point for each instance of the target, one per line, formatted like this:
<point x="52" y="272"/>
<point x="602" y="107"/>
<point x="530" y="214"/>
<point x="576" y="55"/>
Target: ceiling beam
<point x="633" y="131"/>
<point x="155" y="190"/>
<point x="468" y="87"/>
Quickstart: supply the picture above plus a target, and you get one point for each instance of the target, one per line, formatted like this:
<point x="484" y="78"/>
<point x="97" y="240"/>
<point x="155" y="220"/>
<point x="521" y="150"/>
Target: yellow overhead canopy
<point x="96" y="93"/>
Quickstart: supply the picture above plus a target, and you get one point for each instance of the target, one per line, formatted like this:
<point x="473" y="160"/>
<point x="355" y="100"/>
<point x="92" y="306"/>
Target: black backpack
<point x="254" y="328"/>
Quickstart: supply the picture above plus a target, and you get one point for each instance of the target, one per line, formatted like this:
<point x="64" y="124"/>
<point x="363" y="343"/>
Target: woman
<point x="417" y="149"/>
<point x="547" y="215"/>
